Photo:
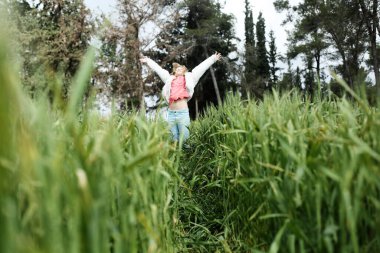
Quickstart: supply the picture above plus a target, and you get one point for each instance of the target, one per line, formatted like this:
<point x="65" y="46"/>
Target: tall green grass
<point x="283" y="175"/>
<point x="72" y="181"/>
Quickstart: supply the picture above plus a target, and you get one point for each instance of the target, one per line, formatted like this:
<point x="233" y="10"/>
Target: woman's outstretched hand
<point x="217" y="56"/>
<point x="143" y="59"/>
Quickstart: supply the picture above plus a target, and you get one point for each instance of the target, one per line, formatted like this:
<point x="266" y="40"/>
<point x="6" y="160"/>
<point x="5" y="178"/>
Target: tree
<point x="109" y="75"/>
<point x="53" y="37"/>
<point x="209" y="30"/>
<point x="135" y="14"/>
<point x="272" y="60"/>
<point x="308" y="39"/>
<point x="309" y="80"/>
<point x="297" y="79"/>
<point x="262" y="66"/>
<point x="371" y="17"/>
<point x="287" y="80"/>
<point x="346" y="28"/>
<point x="250" y="51"/>
<point x="121" y="70"/>
<point x="336" y="23"/>
<point x="170" y="46"/>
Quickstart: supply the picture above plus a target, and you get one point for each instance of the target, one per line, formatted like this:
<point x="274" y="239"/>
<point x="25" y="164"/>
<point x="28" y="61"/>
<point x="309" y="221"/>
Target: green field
<point x="285" y="174"/>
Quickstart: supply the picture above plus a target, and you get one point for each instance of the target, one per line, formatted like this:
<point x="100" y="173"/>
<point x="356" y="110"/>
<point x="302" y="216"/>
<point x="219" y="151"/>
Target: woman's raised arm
<point x="162" y="73"/>
<point x="199" y="70"/>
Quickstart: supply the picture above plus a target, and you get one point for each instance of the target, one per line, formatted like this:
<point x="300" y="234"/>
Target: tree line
<point x="52" y="37"/>
<point x="340" y="31"/>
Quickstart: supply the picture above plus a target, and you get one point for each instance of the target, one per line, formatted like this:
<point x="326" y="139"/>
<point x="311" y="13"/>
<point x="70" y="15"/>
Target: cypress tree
<point x="250" y="52"/>
<point x="262" y="62"/>
<point x="273" y="60"/>
<point x="262" y="53"/>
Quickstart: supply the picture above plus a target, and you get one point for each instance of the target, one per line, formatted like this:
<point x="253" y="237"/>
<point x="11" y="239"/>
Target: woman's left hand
<point x="217" y="56"/>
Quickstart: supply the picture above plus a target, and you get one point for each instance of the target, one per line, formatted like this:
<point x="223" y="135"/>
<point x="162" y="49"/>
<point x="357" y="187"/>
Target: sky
<point x="272" y="18"/>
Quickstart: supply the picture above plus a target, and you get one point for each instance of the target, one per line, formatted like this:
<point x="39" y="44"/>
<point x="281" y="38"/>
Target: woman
<point x="178" y="90"/>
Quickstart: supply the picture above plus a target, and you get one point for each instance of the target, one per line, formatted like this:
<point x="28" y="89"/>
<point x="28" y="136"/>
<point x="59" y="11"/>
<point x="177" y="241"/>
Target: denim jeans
<point x="179" y="122"/>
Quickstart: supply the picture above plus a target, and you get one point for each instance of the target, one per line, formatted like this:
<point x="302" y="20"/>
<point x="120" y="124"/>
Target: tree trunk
<point x="317" y="58"/>
<point x="368" y="17"/>
<point x="212" y="75"/>
<point x="214" y="80"/>
<point x="196" y="108"/>
<point x="375" y="59"/>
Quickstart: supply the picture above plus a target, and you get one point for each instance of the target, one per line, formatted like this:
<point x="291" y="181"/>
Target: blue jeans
<point x="179" y="122"/>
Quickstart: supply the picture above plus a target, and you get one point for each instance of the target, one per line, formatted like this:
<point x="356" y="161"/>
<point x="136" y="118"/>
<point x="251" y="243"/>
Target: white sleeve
<point x="162" y="73"/>
<point x="199" y="70"/>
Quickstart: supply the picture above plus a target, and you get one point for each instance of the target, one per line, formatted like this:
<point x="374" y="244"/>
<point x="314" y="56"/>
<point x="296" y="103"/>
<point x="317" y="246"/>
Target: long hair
<point x="177" y="65"/>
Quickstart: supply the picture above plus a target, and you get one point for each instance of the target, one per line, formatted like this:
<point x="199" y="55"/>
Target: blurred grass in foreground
<point x="72" y="181"/>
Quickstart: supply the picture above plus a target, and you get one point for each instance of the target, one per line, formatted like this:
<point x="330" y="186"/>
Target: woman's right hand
<point x="143" y="59"/>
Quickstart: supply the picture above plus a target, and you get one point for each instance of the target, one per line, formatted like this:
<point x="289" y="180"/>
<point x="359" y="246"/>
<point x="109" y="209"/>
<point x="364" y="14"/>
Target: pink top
<point x="178" y="89"/>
